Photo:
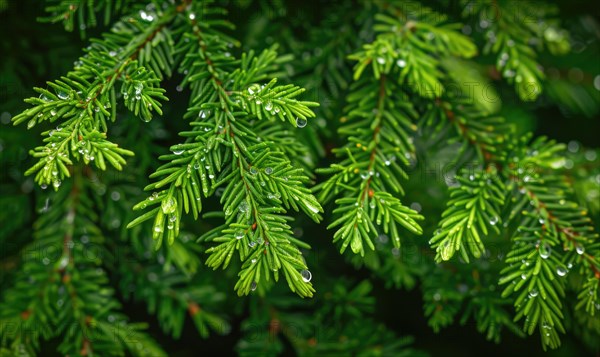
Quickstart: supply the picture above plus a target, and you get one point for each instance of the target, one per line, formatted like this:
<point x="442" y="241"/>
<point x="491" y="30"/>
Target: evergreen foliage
<point x="180" y="141"/>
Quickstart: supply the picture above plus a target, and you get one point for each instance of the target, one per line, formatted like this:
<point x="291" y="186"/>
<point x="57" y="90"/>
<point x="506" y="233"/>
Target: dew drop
<point x="253" y="286"/>
<point x="561" y="271"/>
<point x="203" y="113"/>
<point x="401" y="63"/>
<point x="300" y="123"/>
<point x="268" y="170"/>
<point x="545" y="250"/>
<point x="63" y="95"/>
<point x="579" y="249"/>
<point x="239" y="234"/>
<point x="169" y="205"/>
<point x="494" y="221"/>
<point x="533" y="293"/>
<point x="306" y="275"/>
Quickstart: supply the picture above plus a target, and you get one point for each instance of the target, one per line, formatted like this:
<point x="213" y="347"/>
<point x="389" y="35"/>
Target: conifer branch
<point x="226" y="152"/>
<point x="402" y="80"/>
<point x="83" y="98"/>
<point x="72" y="299"/>
<point x="514" y="33"/>
<point x="83" y="13"/>
<point x="367" y="175"/>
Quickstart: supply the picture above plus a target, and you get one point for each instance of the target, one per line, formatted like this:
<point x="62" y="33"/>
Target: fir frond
<point x="515" y="32"/>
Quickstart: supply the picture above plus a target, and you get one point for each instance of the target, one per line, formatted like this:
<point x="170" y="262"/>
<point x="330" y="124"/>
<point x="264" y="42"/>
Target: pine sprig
<point x="83" y="14"/>
<point x="413" y="46"/>
<point x="171" y="296"/>
<point x="86" y="98"/>
<point x="224" y="150"/>
<point x="468" y="293"/>
<point x="71" y="297"/>
<point x="482" y="136"/>
<point x="515" y="33"/>
<point x="278" y="102"/>
<point x="244" y="162"/>
<point x="270" y="324"/>
<point x="552" y="236"/>
<point x="473" y="211"/>
<point x="367" y="175"/>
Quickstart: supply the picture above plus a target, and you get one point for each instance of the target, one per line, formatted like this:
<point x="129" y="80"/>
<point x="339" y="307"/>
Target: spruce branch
<point x="71" y="298"/>
<point x="134" y="53"/>
<point x="348" y="307"/>
<point x="473" y="209"/>
<point x="414" y="47"/>
<point x="514" y="34"/>
<point x="367" y="176"/>
<point x="224" y="150"/>
<point x="515" y="245"/>
<point x="548" y="222"/>
<point x="83" y="14"/>
<point x="464" y="292"/>
<point x="482" y="136"/>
